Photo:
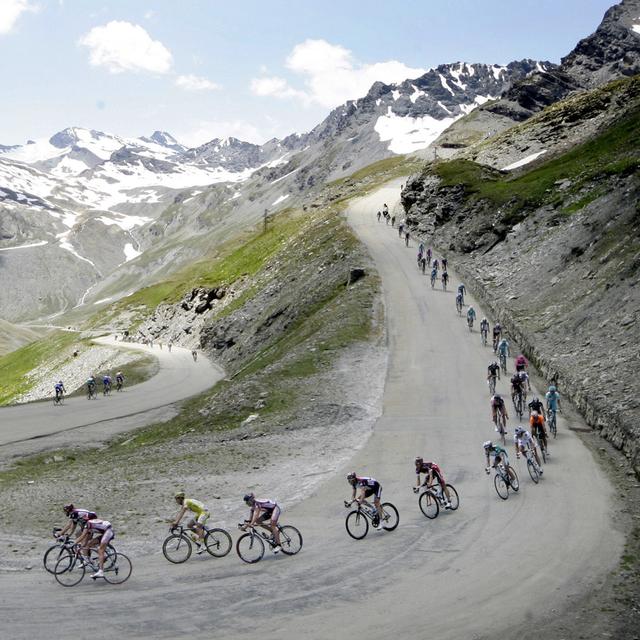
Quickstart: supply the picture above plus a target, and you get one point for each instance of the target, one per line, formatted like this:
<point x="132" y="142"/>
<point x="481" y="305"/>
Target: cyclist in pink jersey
<point x="103" y="531"/>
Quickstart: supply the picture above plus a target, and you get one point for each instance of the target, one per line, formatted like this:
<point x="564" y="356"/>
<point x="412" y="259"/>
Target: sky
<point x="253" y="69"/>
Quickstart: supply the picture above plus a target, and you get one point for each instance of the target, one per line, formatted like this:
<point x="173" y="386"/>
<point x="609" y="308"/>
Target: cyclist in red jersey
<point x="432" y="473"/>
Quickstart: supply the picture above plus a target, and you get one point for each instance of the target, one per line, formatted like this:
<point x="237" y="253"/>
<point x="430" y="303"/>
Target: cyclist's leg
<point x="273" y="522"/>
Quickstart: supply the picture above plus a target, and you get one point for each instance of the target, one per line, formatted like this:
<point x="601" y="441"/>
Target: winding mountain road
<point x="491" y="569"/>
<point x="178" y="377"/>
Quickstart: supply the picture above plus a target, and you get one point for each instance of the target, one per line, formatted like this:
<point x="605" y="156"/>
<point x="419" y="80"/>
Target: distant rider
<point x="471" y="316"/>
<point x="363" y="488"/>
<point x="433" y="473"/>
<point x="498" y="406"/>
<point x="462" y="290"/>
<point x="60" y="390"/>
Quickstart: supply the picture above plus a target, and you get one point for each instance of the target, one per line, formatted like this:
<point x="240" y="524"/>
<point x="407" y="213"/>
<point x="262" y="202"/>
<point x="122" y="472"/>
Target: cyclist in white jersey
<point x="264" y="510"/>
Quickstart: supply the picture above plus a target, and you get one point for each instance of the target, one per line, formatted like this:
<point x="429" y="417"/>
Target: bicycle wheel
<point x="218" y="542"/>
<point x="290" y="540"/>
<point x="177" y="548"/>
<point x="357" y="525"/>
<point x="428" y="504"/>
<point x="502" y="489"/>
<point x="53" y="555"/>
<point x="390" y="517"/>
<point x="69" y="571"/>
<point x="533" y="472"/>
<point x="120" y="571"/>
<point x="250" y="548"/>
<point x="454" y="499"/>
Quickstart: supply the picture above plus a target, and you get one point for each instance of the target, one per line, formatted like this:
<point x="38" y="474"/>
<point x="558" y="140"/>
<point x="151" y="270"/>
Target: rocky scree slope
<point x="554" y="252"/>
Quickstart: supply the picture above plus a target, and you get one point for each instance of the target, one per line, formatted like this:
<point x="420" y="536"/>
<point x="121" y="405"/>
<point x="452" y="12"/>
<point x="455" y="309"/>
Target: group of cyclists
<point x="91" y="386"/>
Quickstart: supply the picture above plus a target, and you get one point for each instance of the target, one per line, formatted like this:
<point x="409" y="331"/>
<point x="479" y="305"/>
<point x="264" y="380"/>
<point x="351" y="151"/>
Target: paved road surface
<point x="482" y="572"/>
<point x="179" y="377"/>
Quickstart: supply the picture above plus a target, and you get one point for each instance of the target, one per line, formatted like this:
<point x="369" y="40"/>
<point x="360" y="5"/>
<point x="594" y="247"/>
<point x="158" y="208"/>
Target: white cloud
<point x="121" y="46"/>
<point x="275" y="86"/>
<point x="331" y="75"/>
<point x="11" y="10"/>
<point x="149" y="14"/>
<point x="196" y="83"/>
<point x="208" y="130"/>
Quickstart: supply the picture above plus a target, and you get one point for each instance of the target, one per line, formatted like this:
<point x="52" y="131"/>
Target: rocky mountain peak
<point x="164" y="139"/>
<point x="612" y="51"/>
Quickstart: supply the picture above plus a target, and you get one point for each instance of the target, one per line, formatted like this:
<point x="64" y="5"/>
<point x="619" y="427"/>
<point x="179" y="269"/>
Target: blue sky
<point x="254" y="69"/>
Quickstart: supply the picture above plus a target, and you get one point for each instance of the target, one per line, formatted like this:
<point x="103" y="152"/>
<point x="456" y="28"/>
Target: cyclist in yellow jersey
<point x="200" y="516"/>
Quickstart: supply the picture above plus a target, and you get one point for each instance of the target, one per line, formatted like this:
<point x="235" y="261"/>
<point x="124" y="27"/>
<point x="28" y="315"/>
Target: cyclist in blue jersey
<point x="60" y="390"/>
<point x="553" y="399"/>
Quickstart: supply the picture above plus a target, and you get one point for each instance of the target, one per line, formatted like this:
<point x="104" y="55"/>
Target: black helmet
<point x="488" y="444"/>
<point x="419" y="460"/>
<point x="68" y="508"/>
<point x="351" y="476"/>
<point x="249" y="498"/>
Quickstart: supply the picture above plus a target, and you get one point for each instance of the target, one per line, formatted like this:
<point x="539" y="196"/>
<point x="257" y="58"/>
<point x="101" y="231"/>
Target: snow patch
<point x="103" y="300"/>
<point x="396" y="94"/>
<point x="279" y="200"/>
<point x="286" y="175"/>
<point x="636" y="27"/>
<point x="497" y="71"/>
<point x="26" y="246"/>
<point x="65" y="244"/>
<point x="378" y="101"/>
<point x="130" y="252"/>
<point x="527" y="160"/>
<point x="445" y="84"/>
<point x="416" y="93"/>
<point x="443" y="106"/>
<point x="126" y="223"/>
<point x="406" y="134"/>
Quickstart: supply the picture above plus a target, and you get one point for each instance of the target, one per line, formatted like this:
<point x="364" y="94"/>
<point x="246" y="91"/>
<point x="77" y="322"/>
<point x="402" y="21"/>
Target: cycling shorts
<point x="375" y="489"/>
<point x="270" y="514"/>
<point x="201" y="519"/>
<point x="107" y="536"/>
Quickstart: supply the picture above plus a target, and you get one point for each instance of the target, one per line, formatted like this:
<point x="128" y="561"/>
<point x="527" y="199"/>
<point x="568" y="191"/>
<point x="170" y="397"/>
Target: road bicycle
<point x="492" y="384"/>
<point x="518" y="403"/>
<point x="178" y="545"/>
<point x="542" y="445"/>
<point x="70" y="569"/>
<point x="433" y="279"/>
<point x="459" y="304"/>
<point x="501" y="425"/>
<point x="58" y="399"/>
<point x="119" y="385"/>
<point x="553" y="425"/>
<point x="357" y="521"/>
<point x="63" y="547"/>
<point x="251" y="545"/>
<point x="532" y="466"/>
<point x="504" y="480"/>
<point x="470" y="323"/>
<point x="431" y="500"/>
<point x="484" y="334"/>
<point x="444" y="283"/>
<point x="503" y="363"/>
<point x="91" y="392"/>
<point x="106" y="390"/>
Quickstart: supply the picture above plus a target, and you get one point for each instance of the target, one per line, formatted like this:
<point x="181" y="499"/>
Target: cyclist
<point x="261" y="511"/>
<point x="493" y="373"/>
<point x="538" y="430"/>
<point x="537" y="405"/>
<point x="368" y="487"/>
<point x="119" y="380"/>
<point x="521" y="363"/>
<point x="429" y="254"/>
<point x="462" y="290"/>
<point x="91" y="385"/>
<point x="553" y="399"/>
<point x="433" y="473"/>
<point x="434" y="275"/>
<point x="407" y="236"/>
<point x="379" y="214"/>
<point x="498" y="405"/>
<point x="524" y="442"/>
<point x="385" y="209"/>
<point x="200" y="516"/>
<point x="471" y="315"/>
<point x="194" y="355"/>
<point x="459" y="303"/>
<point x="421" y="248"/>
<point x="436" y="265"/>
<point x="517" y="386"/>
<point x="497" y="334"/>
<point x="445" y="279"/>
<point x="444" y="264"/>
<point x="499" y="454"/>
<point x="484" y="328"/>
<point x="400" y="228"/>
<point x="77" y="518"/>
<point x="106" y="383"/>
<point x="60" y="390"/>
<point x="503" y="351"/>
<point x="104" y="534"/>
<point x="393" y="220"/>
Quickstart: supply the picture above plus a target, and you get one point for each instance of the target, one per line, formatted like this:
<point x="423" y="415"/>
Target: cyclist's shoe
<point x="98" y="574"/>
<point x="540" y="471"/>
<point x="200" y="548"/>
<point x="487" y="470"/>
<point x="415" y="489"/>
<point x="277" y="549"/>
<point x="447" y="505"/>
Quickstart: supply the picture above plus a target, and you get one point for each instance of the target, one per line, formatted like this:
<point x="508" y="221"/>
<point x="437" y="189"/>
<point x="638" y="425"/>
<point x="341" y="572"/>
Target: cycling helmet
<point x="488" y="444"/>
<point x="249" y="498"/>
<point x="351" y="476"/>
<point x="535" y="400"/>
<point x="179" y="495"/>
<point x="419" y="460"/>
<point x="552" y="388"/>
<point x="519" y="430"/>
<point x="68" y="508"/>
<point x="60" y="382"/>
<point x="484" y="320"/>
<point x="497" y="396"/>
